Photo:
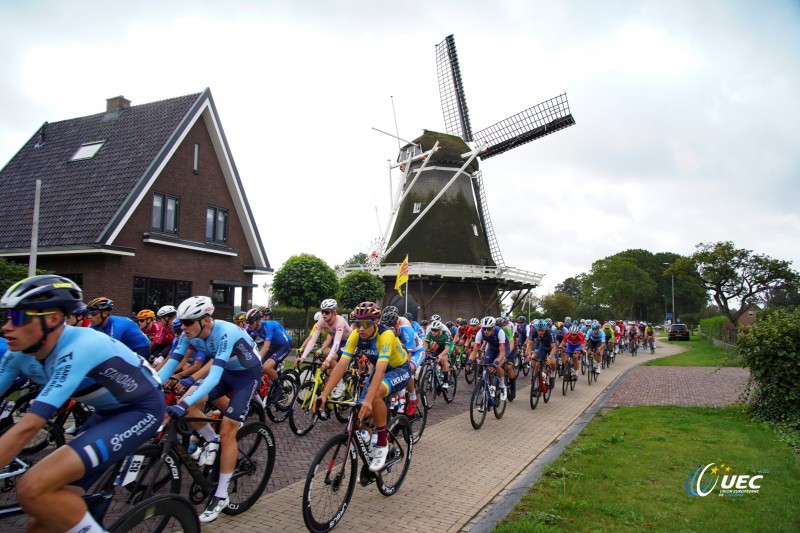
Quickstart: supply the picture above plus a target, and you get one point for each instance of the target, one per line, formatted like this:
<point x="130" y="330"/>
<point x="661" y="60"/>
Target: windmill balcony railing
<point x="451" y="271"/>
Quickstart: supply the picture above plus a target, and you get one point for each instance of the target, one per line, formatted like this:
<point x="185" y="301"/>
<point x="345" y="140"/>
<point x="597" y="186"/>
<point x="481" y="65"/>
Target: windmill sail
<point x="451" y="90"/>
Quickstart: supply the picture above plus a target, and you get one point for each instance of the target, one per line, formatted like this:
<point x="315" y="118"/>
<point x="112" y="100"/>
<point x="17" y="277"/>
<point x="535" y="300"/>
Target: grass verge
<point x="701" y="352"/>
<point x="627" y="471"/>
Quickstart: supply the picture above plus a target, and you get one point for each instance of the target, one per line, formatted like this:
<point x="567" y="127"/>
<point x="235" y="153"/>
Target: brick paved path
<point x="684" y="386"/>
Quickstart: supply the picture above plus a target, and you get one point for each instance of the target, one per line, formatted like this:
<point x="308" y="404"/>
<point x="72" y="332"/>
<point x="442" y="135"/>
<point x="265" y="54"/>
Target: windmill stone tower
<point x="440" y="217"/>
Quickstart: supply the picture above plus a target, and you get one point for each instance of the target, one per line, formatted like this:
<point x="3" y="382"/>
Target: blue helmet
<point x="539" y="324"/>
<point x="176" y="326"/>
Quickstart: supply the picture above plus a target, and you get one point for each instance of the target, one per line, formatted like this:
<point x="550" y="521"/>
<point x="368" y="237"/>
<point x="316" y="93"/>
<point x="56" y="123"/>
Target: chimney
<point x="117" y="103"/>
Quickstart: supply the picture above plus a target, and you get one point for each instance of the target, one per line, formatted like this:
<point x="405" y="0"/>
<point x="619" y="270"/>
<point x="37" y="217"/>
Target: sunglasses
<point x="326" y="312"/>
<point x="92" y="312"/>
<point x="364" y="324"/>
<point x="188" y="322"/>
<point x="140" y="320"/>
<point x="436" y="331"/>
<point x="487" y="329"/>
<point x="21" y="318"/>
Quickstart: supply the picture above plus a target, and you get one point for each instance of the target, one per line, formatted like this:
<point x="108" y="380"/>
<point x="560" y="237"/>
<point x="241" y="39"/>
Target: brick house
<point x="142" y="204"/>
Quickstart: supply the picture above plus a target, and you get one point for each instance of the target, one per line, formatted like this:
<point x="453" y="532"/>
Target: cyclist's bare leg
<point x="444" y="361"/>
<point x="269" y="369"/>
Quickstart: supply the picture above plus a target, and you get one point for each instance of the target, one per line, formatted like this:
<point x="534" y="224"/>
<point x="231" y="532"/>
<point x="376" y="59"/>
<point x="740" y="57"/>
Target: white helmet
<point x="437" y="324"/>
<point x="568" y="319"/>
<point x="166" y="311"/>
<point x="474" y="321"/>
<point x="317" y="316"/>
<point x="195" y="307"/>
<point x="488" y="322"/>
<point x="574" y="330"/>
<point x="328" y="304"/>
<point x="436" y="317"/>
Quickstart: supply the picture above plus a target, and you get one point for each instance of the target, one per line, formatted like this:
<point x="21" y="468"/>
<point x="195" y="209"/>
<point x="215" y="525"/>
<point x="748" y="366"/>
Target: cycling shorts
<point x="242" y="385"/>
<point x="143" y="351"/>
<point x="491" y="354"/>
<point x="109" y="436"/>
<point x="417" y="357"/>
<point x="542" y="353"/>
<point x="593" y="344"/>
<point x="572" y="348"/>
<point x="394" y="379"/>
<point x="278" y="353"/>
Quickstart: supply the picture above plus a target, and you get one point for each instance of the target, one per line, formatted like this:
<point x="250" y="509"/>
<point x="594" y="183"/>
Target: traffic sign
<point x="669" y="315"/>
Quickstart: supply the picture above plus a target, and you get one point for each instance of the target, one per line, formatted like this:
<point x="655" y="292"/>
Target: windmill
<point x="440" y="216"/>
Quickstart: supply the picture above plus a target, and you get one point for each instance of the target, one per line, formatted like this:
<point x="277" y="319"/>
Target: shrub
<point x="713" y="326"/>
<point x="771" y="349"/>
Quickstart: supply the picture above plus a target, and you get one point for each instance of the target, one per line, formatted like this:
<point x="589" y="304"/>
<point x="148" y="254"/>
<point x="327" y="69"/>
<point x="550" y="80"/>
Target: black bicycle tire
<point x="477" y="418"/>
<point x="419" y="419"/>
<point x="245" y="458"/>
<point x="294" y="423"/>
<point x="277" y="414"/>
<point x="451" y="392"/>
<point x="497" y="409"/>
<point x="328" y="524"/>
<point x="172" y="505"/>
<point x="397" y="426"/>
<point x="535" y="389"/>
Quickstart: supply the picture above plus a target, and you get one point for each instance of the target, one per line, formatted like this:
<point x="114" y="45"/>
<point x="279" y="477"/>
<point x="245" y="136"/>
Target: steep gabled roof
<point x="85" y="203"/>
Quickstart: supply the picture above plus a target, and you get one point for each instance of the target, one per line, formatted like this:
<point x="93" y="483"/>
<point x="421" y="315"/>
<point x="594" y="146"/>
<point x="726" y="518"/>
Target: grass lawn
<point x="702" y="352"/>
<point x="627" y="471"/>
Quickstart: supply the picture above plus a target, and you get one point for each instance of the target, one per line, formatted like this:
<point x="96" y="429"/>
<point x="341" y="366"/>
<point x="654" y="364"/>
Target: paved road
<point x="437" y="468"/>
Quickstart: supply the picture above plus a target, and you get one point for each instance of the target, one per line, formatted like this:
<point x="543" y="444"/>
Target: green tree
<point x="735" y="276"/>
<point x="572" y="286"/>
<point x="558" y="305"/>
<point x="360" y="286"/>
<point x="304" y="281"/>
<point x="357" y="260"/>
<point x="621" y="284"/>
<point x="11" y="272"/>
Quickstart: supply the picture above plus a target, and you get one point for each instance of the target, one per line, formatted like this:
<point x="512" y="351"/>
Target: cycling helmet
<point x="176" y="326"/>
<point x="607" y="325"/>
<point x="582" y="321"/>
<point x="560" y="325"/>
<point x="409" y="316"/>
<point x="317" y="316"/>
<point x="166" y="311"/>
<point x="449" y="324"/>
<point x="568" y="319"/>
<point x="328" y="304"/>
<point x="101" y="304"/>
<point x="574" y="330"/>
<point x="239" y="317"/>
<point x="366" y="311"/>
<point x="423" y="323"/>
<point x="595" y="325"/>
<point x="253" y="315"/>
<point x="500" y="320"/>
<point x="144" y="314"/>
<point x="488" y="322"/>
<point x="521" y="319"/>
<point x="549" y="321"/>
<point x="437" y="324"/>
<point x="195" y="307"/>
<point x="81" y="310"/>
<point x="265" y="310"/>
<point x="474" y="321"/>
<point x="389" y="315"/>
<point x="436" y="317"/>
<point x="43" y="292"/>
<point x="539" y="324"/>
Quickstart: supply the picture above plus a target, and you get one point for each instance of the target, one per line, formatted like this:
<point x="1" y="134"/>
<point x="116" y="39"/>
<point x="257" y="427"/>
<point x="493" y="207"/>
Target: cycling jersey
<point x="382" y="346"/>
<point x="609" y="334"/>
<point x="91" y="368"/>
<point x="164" y="336"/>
<point x="648" y="331"/>
<point x="442" y="341"/>
<point x="272" y="332"/>
<point x="596" y="335"/>
<point x="152" y="330"/>
<point x="340" y="329"/>
<point x="412" y="343"/>
<point x="542" y="344"/>
<point x="126" y="331"/>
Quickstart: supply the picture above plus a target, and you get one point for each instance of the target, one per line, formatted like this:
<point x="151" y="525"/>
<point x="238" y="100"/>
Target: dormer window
<point x="417" y="207"/>
<point x="87" y="151"/>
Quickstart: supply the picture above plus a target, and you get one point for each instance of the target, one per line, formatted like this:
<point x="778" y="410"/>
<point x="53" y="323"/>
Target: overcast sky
<point x="688" y="121"/>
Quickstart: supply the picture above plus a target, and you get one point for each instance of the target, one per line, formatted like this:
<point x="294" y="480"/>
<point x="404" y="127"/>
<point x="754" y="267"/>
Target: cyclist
<point x="595" y="342"/>
<point x="78" y="363"/>
<point x="608" y="330"/>
<point x="79" y="317"/>
<point x="574" y="342"/>
<point x="391" y="372"/>
<point x="236" y="369"/>
<point x="412" y="344"/>
<point x="511" y="355"/>
<point x="162" y="340"/>
<point x="452" y="329"/>
<point x="325" y="343"/>
<point x="334" y="326"/>
<point x="121" y="328"/>
<point x="239" y="320"/>
<point x="542" y="343"/>
<point x="649" y="334"/>
<point x="496" y="349"/>
<point x="633" y="335"/>
<point x="147" y="323"/>
<point x="276" y="343"/>
<point x="414" y="324"/>
<point x="440" y="344"/>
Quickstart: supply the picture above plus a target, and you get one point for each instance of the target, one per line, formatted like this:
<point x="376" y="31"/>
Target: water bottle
<point x="365" y="436"/>
<point x="491" y="390"/>
<point x="393" y="403"/>
<point x="374" y="440"/>
<point x="545" y="382"/>
<point x="401" y="405"/>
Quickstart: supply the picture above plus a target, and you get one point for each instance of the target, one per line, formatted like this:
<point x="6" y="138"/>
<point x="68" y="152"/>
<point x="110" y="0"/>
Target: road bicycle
<point x="591" y="363"/>
<point x="332" y="475"/>
<point x="486" y="396"/>
<point x="432" y="381"/>
<point x="634" y="348"/>
<point x="277" y="396"/>
<point x="540" y="385"/>
<point x="302" y="417"/>
<point x="652" y="345"/>
<point x="567" y="383"/>
<point x="161" y="512"/>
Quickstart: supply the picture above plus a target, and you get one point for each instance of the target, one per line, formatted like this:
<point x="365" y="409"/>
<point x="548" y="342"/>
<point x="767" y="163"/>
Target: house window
<point x="150" y="293"/>
<point x="87" y="151"/>
<point x="196" y="162"/>
<point x="216" y="224"/>
<point x="165" y="213"/>
<point x="77" y="278"/>
<point x="417" y="207"/>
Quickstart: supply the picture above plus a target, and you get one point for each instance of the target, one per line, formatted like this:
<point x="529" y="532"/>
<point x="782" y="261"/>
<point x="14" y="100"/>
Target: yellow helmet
<point x="145" y="313"/>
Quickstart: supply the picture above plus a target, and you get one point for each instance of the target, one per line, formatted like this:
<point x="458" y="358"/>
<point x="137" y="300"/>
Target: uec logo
<point x="698" y="483"/>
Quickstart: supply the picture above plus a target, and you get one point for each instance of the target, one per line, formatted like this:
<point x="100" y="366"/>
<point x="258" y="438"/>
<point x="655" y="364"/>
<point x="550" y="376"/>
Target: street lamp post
<point x="673" y="293"/>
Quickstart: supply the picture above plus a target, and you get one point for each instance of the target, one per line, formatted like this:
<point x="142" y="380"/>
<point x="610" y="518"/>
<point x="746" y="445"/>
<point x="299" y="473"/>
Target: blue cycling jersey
<point x="410" y="341"/>
<point x="272" y="332"/>
<point x="232" y="349"/>
<point x="125" y="330"/>
<point x="85" y="365"/>
<point x="598" y="336"/>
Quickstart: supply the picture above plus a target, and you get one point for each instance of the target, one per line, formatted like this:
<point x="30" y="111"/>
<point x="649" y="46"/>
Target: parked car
<point x="678" y="332"/>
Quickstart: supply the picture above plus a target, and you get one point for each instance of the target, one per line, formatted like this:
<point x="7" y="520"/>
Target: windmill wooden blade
<point x="540" y="120"/>
<point x="451" y="90"/>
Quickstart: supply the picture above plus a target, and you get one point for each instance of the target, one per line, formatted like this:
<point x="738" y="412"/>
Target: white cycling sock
<point x="412" y="396"/>
<point x="207" y="432"/>
<point x="222" y="488"/>
<point x="87" y="525"/>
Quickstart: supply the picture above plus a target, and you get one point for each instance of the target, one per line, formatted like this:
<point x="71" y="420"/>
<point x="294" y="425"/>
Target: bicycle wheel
<point x="301" y="418"/>
<point x="477" y="406"/>
<point x="566" y="377"/>
<point x="652" y="348"/>
<point x="450" y="392"/>
<point x="329" y="484"/>
<point x="428" y="386"/>
<point x="572" y="382"/>
<point x="255" y="412"/>
<point x="351" y="393"/>
<point x="547" y="388"/>
<point x="418" y="420"/>
<point x="526" y="368"/>
<point x="279" y="411"/>
<point x="535" y="389"/>
<point x="469" y="373"/>
<point x="254" y="463"/>
<point x="163" y="512"/>
<point x="139" y="477"/>
<point x="499" y="405"/>
<point x="583" y="363"/>
<point x="46" y="439"/>
<point x="399" y="459"/>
